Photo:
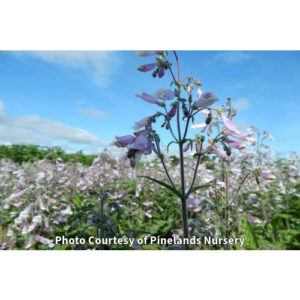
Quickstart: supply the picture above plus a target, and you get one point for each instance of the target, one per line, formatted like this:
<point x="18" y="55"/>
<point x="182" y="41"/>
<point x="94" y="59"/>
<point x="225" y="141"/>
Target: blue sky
<point x="82" y="100"/>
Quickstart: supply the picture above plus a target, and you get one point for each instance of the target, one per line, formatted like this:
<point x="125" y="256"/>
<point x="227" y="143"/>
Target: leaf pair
<point x="175" y="191"/>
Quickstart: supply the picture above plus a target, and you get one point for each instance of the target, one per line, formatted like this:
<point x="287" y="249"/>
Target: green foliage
<point x="30" y="153"/>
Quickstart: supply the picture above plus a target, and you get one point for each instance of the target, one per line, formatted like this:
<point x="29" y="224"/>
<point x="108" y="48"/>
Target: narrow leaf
<point x="167" y="186"/>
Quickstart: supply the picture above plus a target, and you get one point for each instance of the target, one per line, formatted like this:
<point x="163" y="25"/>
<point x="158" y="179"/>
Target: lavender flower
<point x="267" y="175"/>
<point x="235" y="144"/>
<point x="172" y="112"/>
<point x="161" y="72"/>
<point x="149" y="53"/>
<point x="206" y="100"/>
<point x="147" y="67"/>
<point x="149" y="98"/>
<point x="145" y="122"/>
<point x="164" y="94"/>
<point x="124" y="141"/>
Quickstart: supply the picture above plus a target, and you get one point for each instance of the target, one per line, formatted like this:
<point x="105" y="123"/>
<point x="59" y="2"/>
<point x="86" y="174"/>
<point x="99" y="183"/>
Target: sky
<point x="82" y="100"/>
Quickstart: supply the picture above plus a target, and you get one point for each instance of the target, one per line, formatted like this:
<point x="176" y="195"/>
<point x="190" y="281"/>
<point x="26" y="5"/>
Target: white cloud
<point x="232" y="57"/>
<point x="92" y="113"/>
<point x="241" y="104"/>
<point x="33" y="129"/>
<point x="100" y="63"/>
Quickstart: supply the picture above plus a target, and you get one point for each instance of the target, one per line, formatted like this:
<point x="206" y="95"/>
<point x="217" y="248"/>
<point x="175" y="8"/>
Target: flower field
<point x="49" y="197"/>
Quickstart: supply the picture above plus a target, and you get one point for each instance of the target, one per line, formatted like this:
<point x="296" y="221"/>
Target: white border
<point x="167" y="24"/>
<point x="149" y="274"/>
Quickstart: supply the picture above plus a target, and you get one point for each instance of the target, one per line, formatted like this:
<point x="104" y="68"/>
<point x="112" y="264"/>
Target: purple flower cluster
<point x="137" y="145"/>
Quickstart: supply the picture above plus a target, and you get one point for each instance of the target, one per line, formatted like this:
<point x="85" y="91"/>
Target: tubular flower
<point x="141" y="142"/>
<point x="187" y="146"/>
<point x="172" y="112"/>
<point x="235" y="144"/>
<point x="242" y="136"/>
<point x="220" y="152"/>
<point x="195" y="204"/>
<point x="149" y="98"/>
<point x="269" y="135"/>
<point x="161" y="72"/>
<point x="147" y="67"/>
<point x="123" y="141"/>
<point x="267" y="175"/>
<point x="145" y="122"/>
<point x="142" y="145"/>
<point x="164" y="94"/>
<point x="149" y="53"/>
<point x="206" y="100"/>
<point x="232" y="130"/>
<point x="229" y="125"/>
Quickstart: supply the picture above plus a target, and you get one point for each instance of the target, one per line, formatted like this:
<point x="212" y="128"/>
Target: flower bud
<point x="227" y="150"/>
<point x="208" y="119"/>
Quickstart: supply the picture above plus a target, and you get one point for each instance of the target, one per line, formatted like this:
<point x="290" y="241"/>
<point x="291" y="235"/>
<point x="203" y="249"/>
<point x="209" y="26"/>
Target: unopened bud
<point x="198" y="83"/>
<point x="228" y="151"/>
<point x="154" y="73"/>
<point x="208" y="119"/>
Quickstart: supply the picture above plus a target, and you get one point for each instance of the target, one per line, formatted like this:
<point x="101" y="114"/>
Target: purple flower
<point x="172" y="112"/>
<point x="44" y="240"/>
<point x="267" y="175"/>
<point x="124" y="141"/>
<point x="252" y="220"/>
<point x="235" y="144"/>
<point x="194" y="204"/>
<point x="149" y="53"/>
<point x="149" y="147"/>
<point x="147" y="203"/>
<point x="186" y="146"/>
<point x="220" y="152"/>
<point x="161" y="72"/>
<point x="206" y="100"/>
<point x="149" y="98"/>
<point x="164" y="94"/>
<point x="148" y="214"/>
<point x="142" y="123"/>
<point x="232" y="130"/>
<point x="148" y="67"/>
<point x="141" y="142"/>
<point x="242" y="136"/>
<point x="229" y="125"/>
<point x="142" y="145"/>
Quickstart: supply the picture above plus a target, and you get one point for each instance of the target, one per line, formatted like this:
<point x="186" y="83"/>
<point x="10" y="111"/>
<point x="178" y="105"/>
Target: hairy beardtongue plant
<point x="185" y="100"/>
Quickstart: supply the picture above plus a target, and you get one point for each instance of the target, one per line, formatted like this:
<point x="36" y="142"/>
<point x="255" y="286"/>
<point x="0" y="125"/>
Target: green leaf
<point x="249" y="234"/>
<point x="167" y="186"/>
<point x="170" y="145"/>
<point x="174" y="161"/>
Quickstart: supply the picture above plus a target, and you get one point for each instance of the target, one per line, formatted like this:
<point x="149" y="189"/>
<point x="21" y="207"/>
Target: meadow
<point x="45" y="193"/>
